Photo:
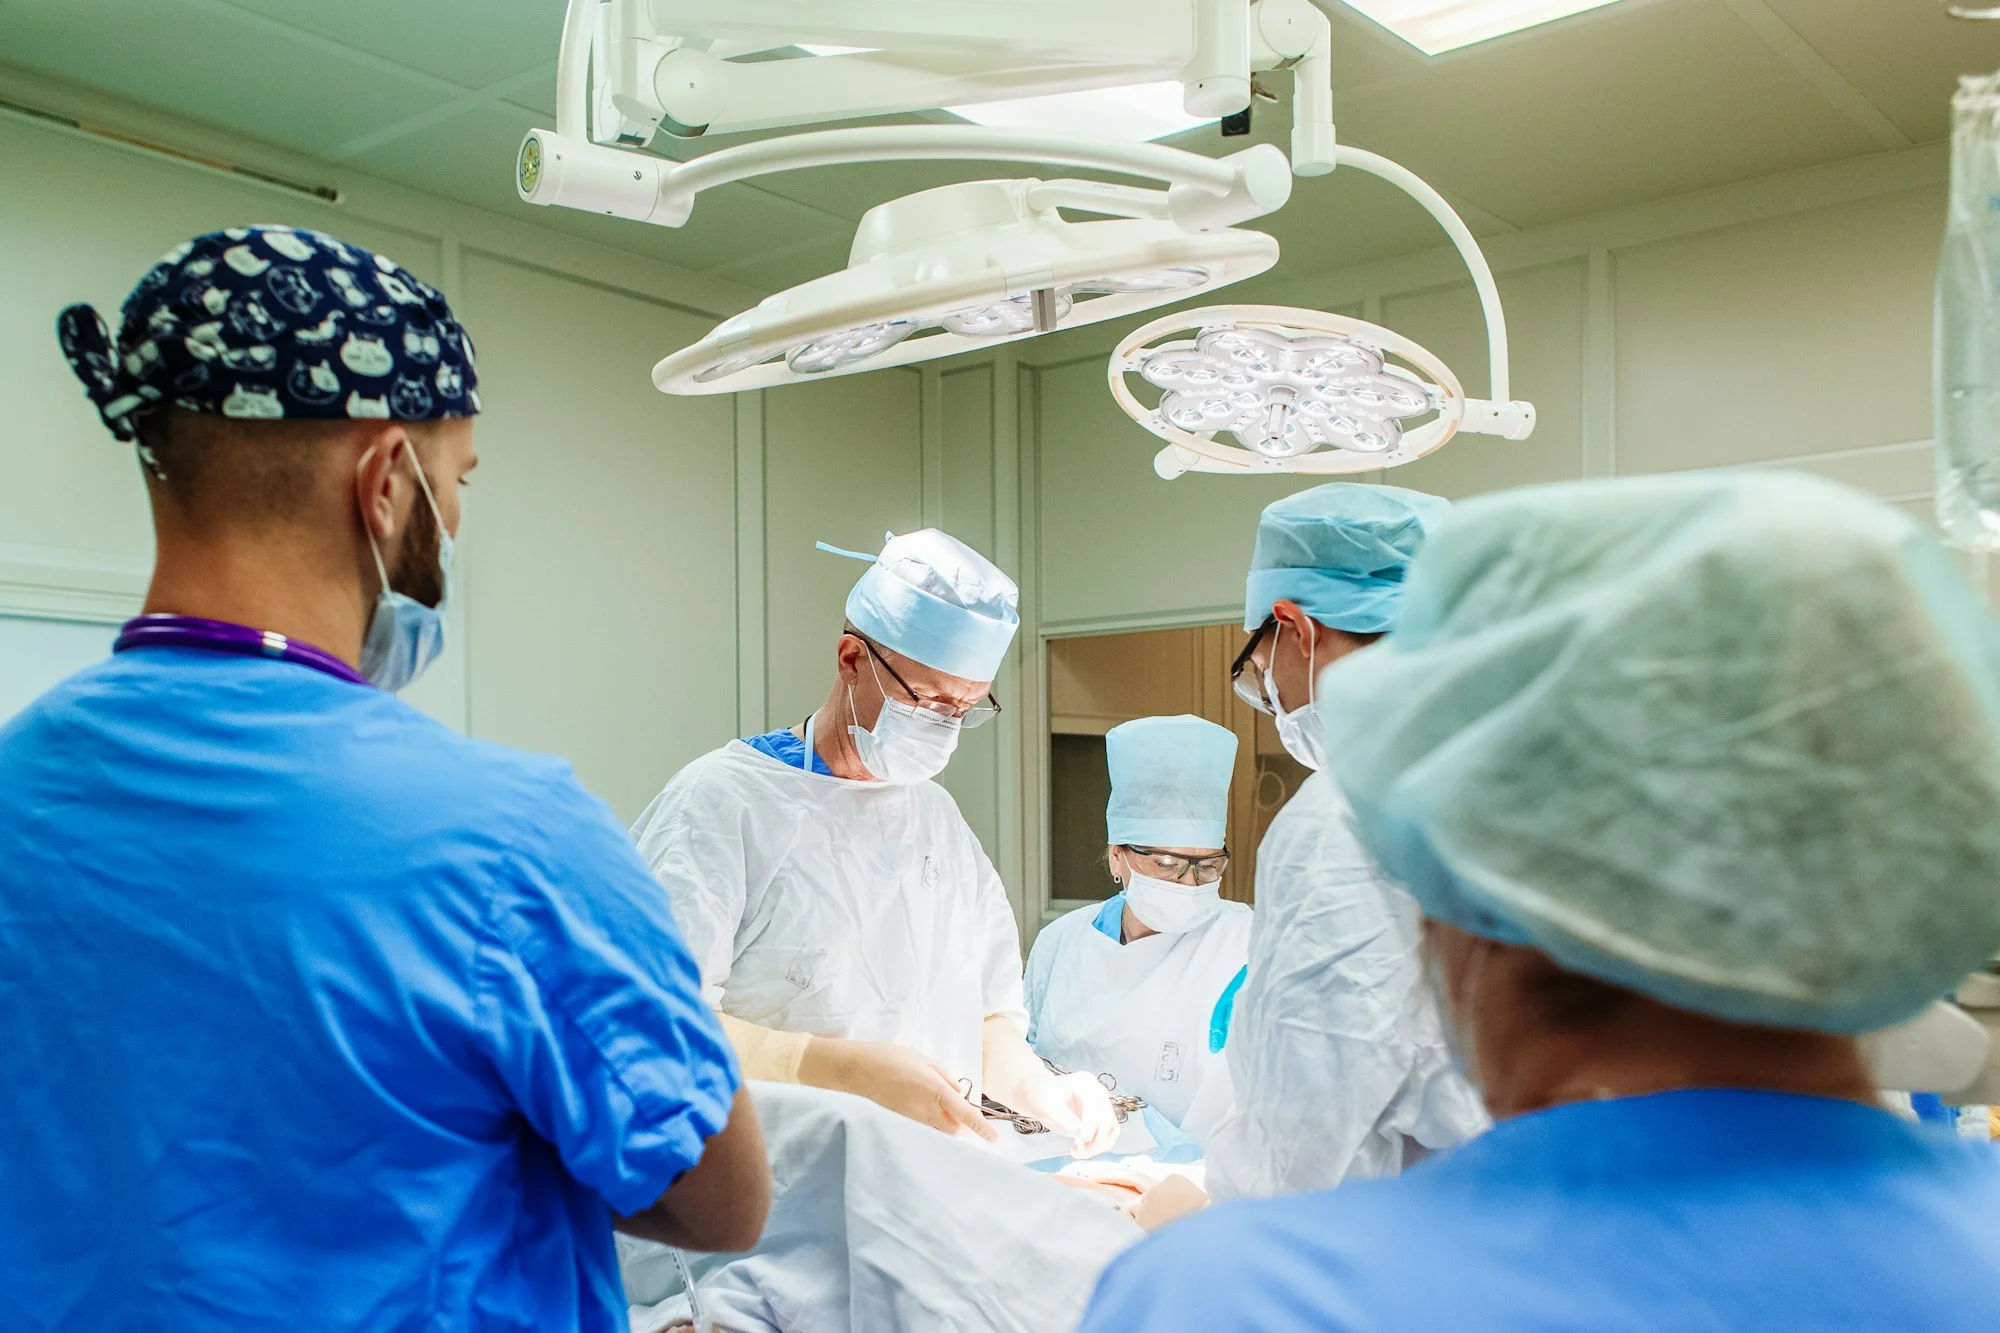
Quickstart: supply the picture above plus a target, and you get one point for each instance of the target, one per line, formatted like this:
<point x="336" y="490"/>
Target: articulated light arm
<point x="1498" y="414"/>
<point x="573" y="70"/>
<point x="1203" y="193"/>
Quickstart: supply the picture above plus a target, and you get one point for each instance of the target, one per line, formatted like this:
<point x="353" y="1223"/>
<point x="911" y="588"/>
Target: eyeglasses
<point x="1178" y="869"/>
<point x="1250" y="687"/>
<point x="967" y="716"/>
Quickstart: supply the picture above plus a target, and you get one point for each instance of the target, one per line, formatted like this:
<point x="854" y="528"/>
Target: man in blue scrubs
<point x="317" y="1014"/>
<point x="1694" y="778"/>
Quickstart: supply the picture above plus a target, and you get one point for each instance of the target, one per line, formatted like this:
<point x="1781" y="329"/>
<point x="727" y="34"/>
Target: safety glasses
<point x="1249" y="683"/>
<point x="1178" y="869"/>
<point x="975" y="715"/>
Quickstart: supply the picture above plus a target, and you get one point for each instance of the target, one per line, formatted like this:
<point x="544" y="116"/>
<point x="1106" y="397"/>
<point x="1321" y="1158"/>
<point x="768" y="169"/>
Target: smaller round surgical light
<point x="848" y="346"/>
<point x="1287" y="395"/>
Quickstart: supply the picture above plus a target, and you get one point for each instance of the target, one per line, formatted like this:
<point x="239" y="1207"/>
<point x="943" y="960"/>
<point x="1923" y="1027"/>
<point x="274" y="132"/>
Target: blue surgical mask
<point x="405" y="636"/>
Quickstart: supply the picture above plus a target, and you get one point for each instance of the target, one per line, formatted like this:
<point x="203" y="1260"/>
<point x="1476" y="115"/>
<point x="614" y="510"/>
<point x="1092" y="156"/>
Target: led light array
<point x="1284" y="395"/>
<point x="1005" y="318"/>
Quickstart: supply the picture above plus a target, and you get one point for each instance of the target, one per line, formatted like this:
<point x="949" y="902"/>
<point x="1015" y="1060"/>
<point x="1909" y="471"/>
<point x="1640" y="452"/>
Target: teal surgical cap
<point x="1339" y="551"/>
<point x="1729" y="741"/>
<point x="935" y="600"/>
<point x="1169" y="782"/>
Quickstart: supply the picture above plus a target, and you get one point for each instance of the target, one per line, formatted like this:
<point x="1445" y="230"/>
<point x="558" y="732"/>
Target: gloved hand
<point x="1076" y="1105"/>
<point x="894" y="1076"/>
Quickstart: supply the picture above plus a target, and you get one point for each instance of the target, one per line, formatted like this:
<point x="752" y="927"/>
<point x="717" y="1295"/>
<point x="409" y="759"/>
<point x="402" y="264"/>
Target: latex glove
<point x="1169" y="1201"/>
<point x="1076" y="1105"/>
<point x="897" y="1077"/>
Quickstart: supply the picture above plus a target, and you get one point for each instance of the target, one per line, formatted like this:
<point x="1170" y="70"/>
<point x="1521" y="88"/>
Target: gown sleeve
<point x="592" y="1009"/>
<point x="693" y="838"/>
<point x="1335" y="1050"/>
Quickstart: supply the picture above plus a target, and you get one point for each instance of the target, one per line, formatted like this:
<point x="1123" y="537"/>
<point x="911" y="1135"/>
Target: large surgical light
<point x="969" y="266"/>
<point x="963" y="266"/>
<point x="1307" y="391"/>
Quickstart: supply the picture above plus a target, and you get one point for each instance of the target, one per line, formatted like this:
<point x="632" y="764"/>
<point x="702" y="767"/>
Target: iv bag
<point x="1966" y="350"/>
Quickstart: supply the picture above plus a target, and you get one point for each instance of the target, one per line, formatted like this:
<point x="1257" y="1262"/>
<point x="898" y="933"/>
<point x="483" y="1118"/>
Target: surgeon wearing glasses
<point x="1140" y="989"/>
<point x="1337" y="1057"/>
<point x="849" y="927"/>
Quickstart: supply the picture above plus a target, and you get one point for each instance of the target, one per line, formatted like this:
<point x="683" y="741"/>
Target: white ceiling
<point x="1638" y="101"/>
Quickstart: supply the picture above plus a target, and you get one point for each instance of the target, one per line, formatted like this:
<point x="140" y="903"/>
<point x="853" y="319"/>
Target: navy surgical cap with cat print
<point x="270" y="323"/>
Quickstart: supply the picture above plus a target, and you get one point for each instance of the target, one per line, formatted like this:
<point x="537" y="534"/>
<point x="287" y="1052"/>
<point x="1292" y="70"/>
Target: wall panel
<point x="843" y="464"/>
<point x="1545" y="327"/>
<point x="1803" y="334"/>
<point x="600" y="535"/>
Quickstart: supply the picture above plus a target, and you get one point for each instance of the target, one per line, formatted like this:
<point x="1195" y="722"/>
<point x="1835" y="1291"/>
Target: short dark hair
<point x="265" y="470"/>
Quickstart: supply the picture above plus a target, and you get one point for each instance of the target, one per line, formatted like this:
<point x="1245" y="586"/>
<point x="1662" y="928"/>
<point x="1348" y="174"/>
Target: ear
<point x="1116" y="856"/>
<point x="381" y="474"/>
<point x="847" y="654"/>
<point x="1304" y="630"/>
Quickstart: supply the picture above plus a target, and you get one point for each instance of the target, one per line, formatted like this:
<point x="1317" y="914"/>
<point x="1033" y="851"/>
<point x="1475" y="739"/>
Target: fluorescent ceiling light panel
<point x="1437" y="26"/>
<point x="1138" y="111"/>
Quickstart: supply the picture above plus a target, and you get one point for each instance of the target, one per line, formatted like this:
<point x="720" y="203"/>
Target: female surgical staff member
<point x="1140" y="988"/>
<point x="1694" y="778"/>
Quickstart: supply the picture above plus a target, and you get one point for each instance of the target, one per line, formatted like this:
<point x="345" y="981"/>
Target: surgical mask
<point x="405" y="636"/>
<point x="1171" y="908"/>
<point x="907" y="743"/>
<point x="1298" y="730"/>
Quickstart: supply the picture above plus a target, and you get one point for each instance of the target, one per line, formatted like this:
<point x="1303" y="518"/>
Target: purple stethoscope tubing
<point x="220" y="636"/>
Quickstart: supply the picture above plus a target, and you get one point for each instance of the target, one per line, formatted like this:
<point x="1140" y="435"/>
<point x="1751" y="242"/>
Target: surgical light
<point x="1284" y="395"/>
<point x="967" y="266"/>
<point x="1437" y="26"/>
<point x="1308" y="391"/>
<point x="1296" y="390"/>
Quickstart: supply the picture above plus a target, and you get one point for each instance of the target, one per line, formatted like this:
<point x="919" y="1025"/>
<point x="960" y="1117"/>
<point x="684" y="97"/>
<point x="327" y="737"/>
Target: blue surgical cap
<point x="1732" y="742"/>
<point x="270" y="323"/>
<point x="1169" y="782"/>
<point x="1339" y="551"/>
<point x="935" y="600"/>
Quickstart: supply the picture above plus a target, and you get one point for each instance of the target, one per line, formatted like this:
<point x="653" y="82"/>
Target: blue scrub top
<point x="787" y="748"/>
<point x="1701" y="1210"/>
<point x="319" y="1015"/>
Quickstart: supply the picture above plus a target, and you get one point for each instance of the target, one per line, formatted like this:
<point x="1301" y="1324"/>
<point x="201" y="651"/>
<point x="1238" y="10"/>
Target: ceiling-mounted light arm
<point x="573" y="69"/>
<point x="1292" y="34"/>
<point x="1203" y="193"/>
<point x="1498" y="414"/>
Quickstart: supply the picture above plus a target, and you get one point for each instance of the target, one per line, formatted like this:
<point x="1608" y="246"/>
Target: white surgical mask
<point x="1298" y="730"/>
<point x="1171" y="908"/>
<point x="907" y="743"/>
<point x="405" y="636"/>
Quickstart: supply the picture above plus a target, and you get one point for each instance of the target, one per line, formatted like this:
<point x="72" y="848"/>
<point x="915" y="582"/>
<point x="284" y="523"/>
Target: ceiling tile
<point x="1904" y="58"/>
<point x="200" y="62"/>
<point x="1652" y="101"/>
<point x="468" y="42"/>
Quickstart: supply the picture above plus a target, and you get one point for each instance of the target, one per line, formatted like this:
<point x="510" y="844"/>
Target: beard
<point x="415" y="572"/>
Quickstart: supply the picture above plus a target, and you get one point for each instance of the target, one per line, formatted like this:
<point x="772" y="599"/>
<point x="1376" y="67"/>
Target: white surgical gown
<point x="1140" y="1012"/>
<point x="1336" y="1051"/>
<point x="836" y="908"/>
